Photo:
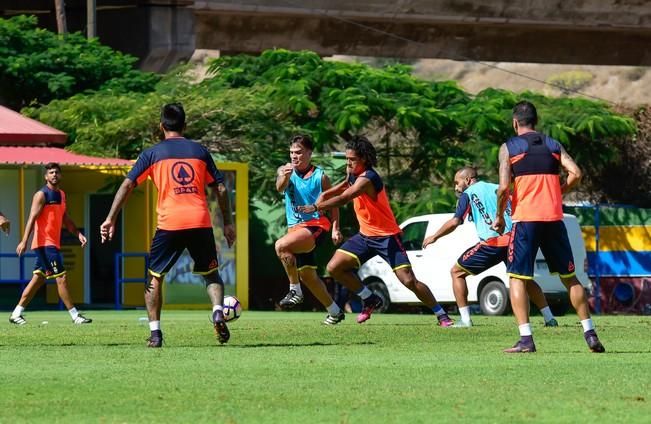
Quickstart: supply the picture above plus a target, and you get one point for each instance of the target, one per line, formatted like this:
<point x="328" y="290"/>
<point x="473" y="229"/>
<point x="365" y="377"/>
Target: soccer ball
<point x="232" y="308"/>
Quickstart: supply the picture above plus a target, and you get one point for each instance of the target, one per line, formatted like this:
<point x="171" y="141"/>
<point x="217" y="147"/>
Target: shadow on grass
<point x="310" y="344"/>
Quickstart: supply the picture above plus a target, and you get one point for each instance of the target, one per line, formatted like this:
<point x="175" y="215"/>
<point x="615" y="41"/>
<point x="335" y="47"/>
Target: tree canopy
<point x="37" y="66"/>
<point x="249" y="106"/>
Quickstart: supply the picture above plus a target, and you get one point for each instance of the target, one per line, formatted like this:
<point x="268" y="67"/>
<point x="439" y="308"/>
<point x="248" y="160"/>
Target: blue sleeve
<point x="140" y="171"/>
<point x="463" y="207"/>
<point x="213" y="175"/>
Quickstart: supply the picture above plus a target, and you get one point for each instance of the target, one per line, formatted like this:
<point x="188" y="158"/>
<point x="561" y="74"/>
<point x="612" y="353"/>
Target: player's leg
<point x="37" y="281"/>
<point x="471" y="262"/>
<point x="558" y="253"/>
<point x="311" y="279"/>
<point x="521" y="256"/>
<point x="406" y="276"/>
<point x="165" y="249"/>
<point x="538" y="298"/>
<point x="200" y="243"/>
<point x="343" y="268"/>
<point x="299" y="240"/>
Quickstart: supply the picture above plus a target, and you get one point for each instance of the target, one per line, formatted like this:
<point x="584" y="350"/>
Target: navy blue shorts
<point x="550" y="237"/>
<point x="389" y="248"/>
<point x="308" y="260"/>
<point x="49" y="262"/>
<point x="167" y="246"/>
<point x="480" y="257"/>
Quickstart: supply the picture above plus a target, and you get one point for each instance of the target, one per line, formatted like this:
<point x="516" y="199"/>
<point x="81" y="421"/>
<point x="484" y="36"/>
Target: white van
<point x="490" y="288"/>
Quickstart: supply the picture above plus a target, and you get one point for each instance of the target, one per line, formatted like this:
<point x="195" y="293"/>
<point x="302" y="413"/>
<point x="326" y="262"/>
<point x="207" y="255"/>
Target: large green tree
<point x="248" y="107"/>
<point x="37" y="66"/>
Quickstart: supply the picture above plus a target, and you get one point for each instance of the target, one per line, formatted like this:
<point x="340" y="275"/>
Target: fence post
<point x="118" y="282"/>
<point x="597" y="282"/>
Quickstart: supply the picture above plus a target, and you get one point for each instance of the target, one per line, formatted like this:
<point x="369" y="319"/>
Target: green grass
<point x="287" y="367"/>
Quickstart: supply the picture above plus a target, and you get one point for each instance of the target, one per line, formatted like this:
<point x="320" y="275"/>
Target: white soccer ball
<point x="232" y="308"/>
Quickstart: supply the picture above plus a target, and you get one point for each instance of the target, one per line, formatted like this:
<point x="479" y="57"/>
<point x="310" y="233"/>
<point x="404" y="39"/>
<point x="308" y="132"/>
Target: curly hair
<point x="363" y="149"/>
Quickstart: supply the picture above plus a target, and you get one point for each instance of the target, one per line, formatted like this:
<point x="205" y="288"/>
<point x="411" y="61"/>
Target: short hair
<point x="364" y="149"/>
<point x="525" y="113"/>
<point x="304" y="140"/>
<point x="172" y="117"/>
<point x="468" y="172"/>
<point x="52" y="165"/>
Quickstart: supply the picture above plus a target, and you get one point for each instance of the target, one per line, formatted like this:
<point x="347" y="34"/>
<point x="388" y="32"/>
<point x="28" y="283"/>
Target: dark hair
<point x="364" y="149"/>
<point x="172" y="116"/>
<point x="52" y="165"/>
<point x="525" y="113"/>
<point x="303" y="140"/>
<point x="468" y="172"/>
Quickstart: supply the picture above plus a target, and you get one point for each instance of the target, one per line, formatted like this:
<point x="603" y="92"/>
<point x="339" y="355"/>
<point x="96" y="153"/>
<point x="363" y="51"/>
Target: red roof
<point x="41" y="155"/>
<point x="19" y="130"/>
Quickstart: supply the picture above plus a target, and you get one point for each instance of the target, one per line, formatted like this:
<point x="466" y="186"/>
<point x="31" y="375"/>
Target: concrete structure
<point x="604" y="32"/>
<point x="164" y="32"/>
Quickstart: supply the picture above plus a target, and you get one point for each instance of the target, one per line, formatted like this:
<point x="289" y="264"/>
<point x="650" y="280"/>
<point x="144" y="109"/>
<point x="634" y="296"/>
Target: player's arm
<point x="448" y="226"/>
<point x="108" y="226"/>
<point x="282" y="177"/>
<point x="5" y="224"/>
<point x="574" y="173"/>
<point x="335" y="190"/>
<point x="334" y="214"/>
<point x="362" y="185"/>
<point x="223" y="199"/>
<point x="503" y="189"/>
<point x="38" y="201"/>
<point x="70" y="225"/>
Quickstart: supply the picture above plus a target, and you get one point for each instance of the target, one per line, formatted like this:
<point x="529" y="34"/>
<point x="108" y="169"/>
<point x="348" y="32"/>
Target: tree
<point x="38" y="66"/>
<point x="248" y="108"/>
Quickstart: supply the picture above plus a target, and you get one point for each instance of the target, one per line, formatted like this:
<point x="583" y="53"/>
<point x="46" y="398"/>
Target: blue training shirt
<point x="302" y="191"/>
<point x="480" y="200"/>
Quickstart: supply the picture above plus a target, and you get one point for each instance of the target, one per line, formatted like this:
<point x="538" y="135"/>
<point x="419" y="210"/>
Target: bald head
<point x="464" y="177"/>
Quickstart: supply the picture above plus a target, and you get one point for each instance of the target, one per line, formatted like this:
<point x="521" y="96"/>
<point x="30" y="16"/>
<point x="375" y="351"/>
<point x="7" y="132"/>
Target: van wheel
<point x="380" y="289"/>
<point x="494" y="299"/>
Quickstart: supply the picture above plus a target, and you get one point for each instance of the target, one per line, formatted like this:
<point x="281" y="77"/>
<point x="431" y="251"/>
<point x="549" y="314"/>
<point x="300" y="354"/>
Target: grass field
<point x="287" y="368"/>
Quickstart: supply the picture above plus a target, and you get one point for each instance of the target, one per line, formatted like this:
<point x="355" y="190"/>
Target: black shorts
<point x="480" y="257"/>
<point x="308" y="260"/>
<point x="551" y="238"/>
<point x="389" y="248"/>
<point x="49" y="262"/>
<point x="168" y="245"/>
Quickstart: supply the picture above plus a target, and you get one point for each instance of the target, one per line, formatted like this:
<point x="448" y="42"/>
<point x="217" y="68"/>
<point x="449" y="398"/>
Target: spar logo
<point x="183" y="174"/>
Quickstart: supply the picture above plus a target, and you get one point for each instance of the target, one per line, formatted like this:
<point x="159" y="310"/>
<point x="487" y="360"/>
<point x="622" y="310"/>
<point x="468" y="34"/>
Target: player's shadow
<point x="293" y="344"/>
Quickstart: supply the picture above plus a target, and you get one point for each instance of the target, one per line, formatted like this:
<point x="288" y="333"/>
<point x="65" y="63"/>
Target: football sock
<point x="438" y="310"/>
<point x="296" y="288"/>
<point x="154" y="325"/>
<point x="18" y="311"/>
<point x="74" y="313"/>
<point x="217" y="308"/>
<point x="365" y="293"/>
<point x="525" y="330"/>
<point x="334" y="309"/>
<point x="587" y="324"/>
<point x="547" y="313"/>
<point x="464" y="311"/>
<point x="217" y="313"/>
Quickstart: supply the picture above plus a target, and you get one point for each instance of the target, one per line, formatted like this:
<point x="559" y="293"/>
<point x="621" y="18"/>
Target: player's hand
<point x="20" y="249"/>
<point x="337" y="237"/>
<point x="498" y="225"/>
<point x="106" y="230"/>
<point x="5" y="224"/>
<point x="306" y="208"/>
<point x="429" y="240"/>
<point x="82" y="240"/>
<point x="285" y="170"/>
<point x="229" y="233"/>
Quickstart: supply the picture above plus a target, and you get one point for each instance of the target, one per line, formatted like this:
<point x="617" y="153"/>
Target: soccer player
<point x="180" y="169"/>
<point x="5" y="224"/>
<point x="379" y="233"/>
<point x="47" y="215"/>
<point x="534" y="160"/>
<point x="477" y="201"/>
<point x="302" y="183"/>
